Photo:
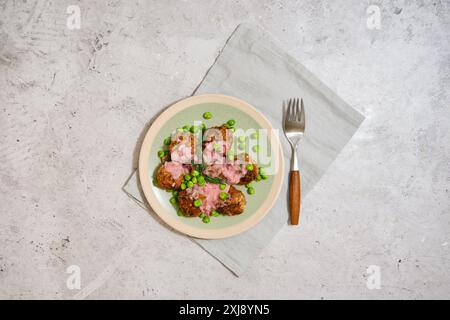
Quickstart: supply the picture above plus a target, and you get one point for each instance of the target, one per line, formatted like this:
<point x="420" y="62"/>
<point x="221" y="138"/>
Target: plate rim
<point x="175" y="222"/>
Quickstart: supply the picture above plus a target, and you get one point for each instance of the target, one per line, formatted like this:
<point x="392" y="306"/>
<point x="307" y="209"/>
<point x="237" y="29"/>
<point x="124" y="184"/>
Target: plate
<point x="223" y="108"/>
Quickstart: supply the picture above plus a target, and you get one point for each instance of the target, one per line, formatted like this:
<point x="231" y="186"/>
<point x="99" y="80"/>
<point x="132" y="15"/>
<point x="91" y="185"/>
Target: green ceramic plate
<point x="248" y="120"/>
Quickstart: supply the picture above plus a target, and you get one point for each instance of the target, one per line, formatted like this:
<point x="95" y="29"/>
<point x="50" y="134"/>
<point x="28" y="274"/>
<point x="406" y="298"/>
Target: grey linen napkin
<point x="253" y="68"/>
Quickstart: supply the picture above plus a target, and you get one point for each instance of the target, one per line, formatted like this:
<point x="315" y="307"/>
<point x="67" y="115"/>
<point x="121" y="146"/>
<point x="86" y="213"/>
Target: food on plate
<point x="204" y="186"/>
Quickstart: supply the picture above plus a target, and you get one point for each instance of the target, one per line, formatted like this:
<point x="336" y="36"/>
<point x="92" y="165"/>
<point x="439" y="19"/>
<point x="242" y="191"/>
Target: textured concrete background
<point x="73" y="104"/>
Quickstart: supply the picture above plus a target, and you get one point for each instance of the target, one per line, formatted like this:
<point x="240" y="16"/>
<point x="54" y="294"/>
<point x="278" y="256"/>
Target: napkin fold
<point x="253" y="68"/>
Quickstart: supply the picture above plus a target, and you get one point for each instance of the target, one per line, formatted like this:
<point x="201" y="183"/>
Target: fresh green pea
<point x="207" y="115"/>
<point x="166" y="152"/>
<point x="194" y="180"/>
<point x="263" y="176"/>
<point x="197" y="203"/>
<point x="175" y="193"/>
<point x="241" y="146"/>
<point x="187" y="177"/>
<point x="173" y="200"/>
<point x="261" y="170"/>
<point x="254" y="135"/>
<point x="167" y="141"/>
<point x="180" y="129"/>
<point x="215" y="213"/>
<point x="161" y="153"/>
<point x="249" y="167"/>
<point x="183" y="186"/>
<point x="222" y="186"/>
<point x="206" y="219"/>
<point x="195" y="173"/>
<point x="180" y="213"/>
<point x="258" y="177"/>
<point x="255" y="148"/>
<point x="231" y="122"/>
<point x="194" y="129"/>
<point x="241" y="139"/>
<point x="249" y="185"/>
<point x="201" y="215"/>
<point x="190" y="184"/>
<point x="186" y="128"/>
<point x="203" y="126"/>
<point x="223" y="195"/>
<point x="251" y="190"/>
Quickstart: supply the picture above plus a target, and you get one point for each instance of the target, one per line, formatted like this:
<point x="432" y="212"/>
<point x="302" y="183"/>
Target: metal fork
<point x="294" y="128"/>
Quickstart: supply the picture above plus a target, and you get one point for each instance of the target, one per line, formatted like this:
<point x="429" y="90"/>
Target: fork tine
<point x="288" y="111"/>
<point x="297" y="110"/>
<point x="292" y="116"/>
<point x="302" y="114"/>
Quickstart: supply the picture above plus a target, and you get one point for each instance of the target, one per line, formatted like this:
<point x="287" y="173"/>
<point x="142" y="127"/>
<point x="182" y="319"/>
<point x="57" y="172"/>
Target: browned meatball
<point x="221" y="133"/>
<point x="234" y="205"/>
<point x="250" y="175"/>
<point x="165" y="180"/>
<point x="186" y="204"/>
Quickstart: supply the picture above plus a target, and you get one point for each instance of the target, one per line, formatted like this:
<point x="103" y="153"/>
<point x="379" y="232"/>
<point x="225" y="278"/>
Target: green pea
<point x="186" y="128"/>
<point x="180" y="129"/>
<point x="258" y="177"/>
<point x="254" y="135"/>
<point x="223" y="195"/>
<point x="215" y="213"/>
<point x="248" y="185"/>
<point x="187" y="177"/>
<point x="195" y="173"/>
<point x="183" y="186"/>
<point x="206" y="219"/>
<point x="173" y="200"/>
<point x="249" y="167"/>
<point x="161" y="153"/>
<point x="194" y="180"/>
<point x="167" y="141"/>
<point x="231" y="122"/>
<point x="207" y="115"/>
<point x="251" y="190"/>
<point x="180" y="213"/>
<point x="194" y="129"/>
<point x="255" y="148"/>
<point x="230" y="156"/>
<point x="201" y="179"/>
<point x="241" y="146"/>
<point x="197" y="203"/>
<point x="263" y="176"/>
<point x="203" y="126"/>
<point x="190" y="184"/>
<point x="166" y="152"/>
<point x="175" y="193"/>
<point x="201" y="215"/>
<point x="222" y="186"/>
<point x="241" y="139"/>
<point x="261" y="170"/>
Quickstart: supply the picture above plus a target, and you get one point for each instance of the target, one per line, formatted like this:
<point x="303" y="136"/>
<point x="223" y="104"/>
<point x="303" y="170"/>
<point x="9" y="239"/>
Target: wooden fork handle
<point x="294" y="196"/>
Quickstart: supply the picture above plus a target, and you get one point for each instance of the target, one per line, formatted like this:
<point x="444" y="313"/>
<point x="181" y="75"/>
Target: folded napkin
<point x="253" y="68"/>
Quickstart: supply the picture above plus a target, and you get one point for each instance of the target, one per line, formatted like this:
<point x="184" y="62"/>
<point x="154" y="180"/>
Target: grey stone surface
<point x="74" y="104"/>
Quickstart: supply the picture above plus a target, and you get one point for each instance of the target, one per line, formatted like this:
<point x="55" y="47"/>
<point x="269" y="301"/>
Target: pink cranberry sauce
<point x="209" y="195"/>
<point x="176" y="169"/>
<point x="231" y="172"/>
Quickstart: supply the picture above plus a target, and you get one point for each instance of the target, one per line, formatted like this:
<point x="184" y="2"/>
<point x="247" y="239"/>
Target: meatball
<point x="234" y="205"/>
<point x="186" y="204"/>
<point x="249" y="175"/>
<point x="165" y="178"/>
<point x="221" y="133"/>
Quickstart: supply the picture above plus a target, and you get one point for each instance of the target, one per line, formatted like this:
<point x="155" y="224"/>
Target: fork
<point x="294" y="128"/>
